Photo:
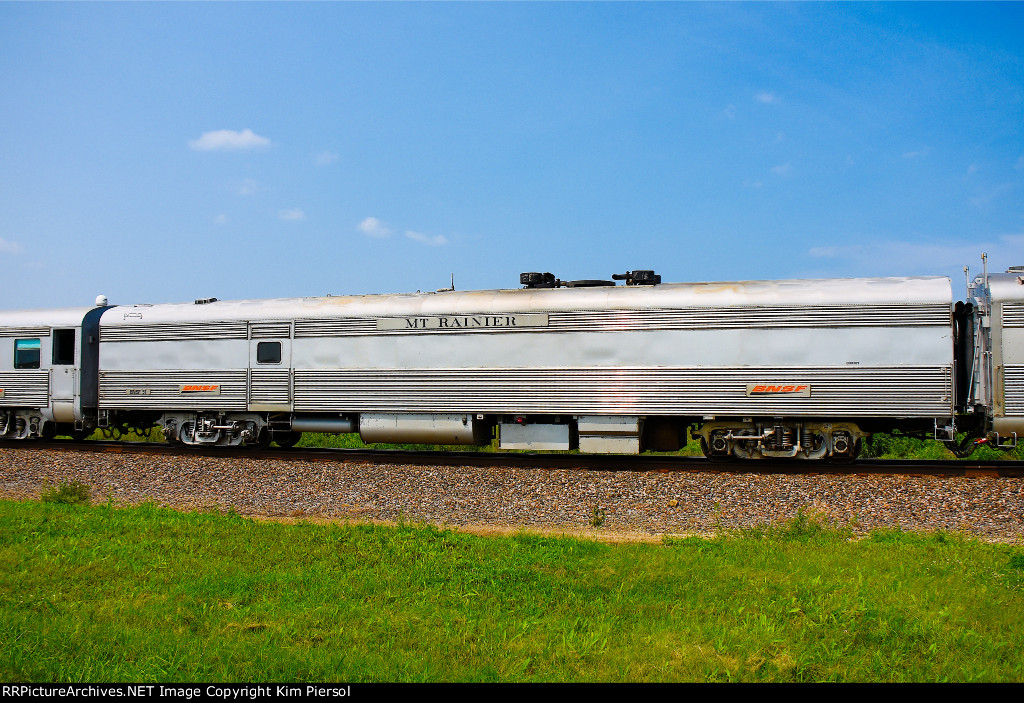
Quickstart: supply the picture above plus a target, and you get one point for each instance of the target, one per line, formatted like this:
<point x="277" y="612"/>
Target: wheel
<point x="846" y="458"/>
<point x="186" y="429"/>
<point x="709" y="454"/>
<point x="262" y="439"/>
<point x="287" y="440"/>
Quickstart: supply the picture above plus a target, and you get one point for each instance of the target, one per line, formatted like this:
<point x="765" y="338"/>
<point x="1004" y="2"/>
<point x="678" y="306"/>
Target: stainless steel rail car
<point x="996" y="376"/>
<point x="802" y="368"/>
<point x="48" y="371"/>
<point x="782" y="368"/>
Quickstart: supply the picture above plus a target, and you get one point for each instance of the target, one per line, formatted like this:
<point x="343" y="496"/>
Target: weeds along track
<point x="614" y="498"/>
<point x="588" y="462"/>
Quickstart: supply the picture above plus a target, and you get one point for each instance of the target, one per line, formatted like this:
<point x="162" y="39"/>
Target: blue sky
<point x="165" y="152"/>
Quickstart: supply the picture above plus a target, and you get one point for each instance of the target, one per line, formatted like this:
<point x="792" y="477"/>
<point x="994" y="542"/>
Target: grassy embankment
<point x="148" y="594"/>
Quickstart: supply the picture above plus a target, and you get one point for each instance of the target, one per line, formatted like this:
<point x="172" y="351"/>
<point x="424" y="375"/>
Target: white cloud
<point x="833" y="252"/>
<point x="248" y="187"/>
<point x="730" y="112"/>
<point x="766" y="98"/>
<point x="757" y="183"/>
<point x="782" y="169"/>
<point x="909" y="258"/>
<point x="9" y="247"/>
<point x="220" y="219"/>
<point x="373" y="227"/>
<point x="325" y="158"/>
<point x="291" y="215"/>
<point x="1020" y="163"/>
<point x="983" y="200"/>
<point x="435" y="241"/>
<point x="228" y="140"/>
<point x="973" y="168"/>
<point x="919" y="154"/>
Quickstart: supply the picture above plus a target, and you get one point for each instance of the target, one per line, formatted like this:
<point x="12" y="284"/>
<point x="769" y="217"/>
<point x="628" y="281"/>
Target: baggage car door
<point x="64" y="374"/>
<point x="270" y="362"/>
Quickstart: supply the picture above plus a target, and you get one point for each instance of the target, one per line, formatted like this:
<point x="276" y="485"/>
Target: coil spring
<point x="782" y="438"/>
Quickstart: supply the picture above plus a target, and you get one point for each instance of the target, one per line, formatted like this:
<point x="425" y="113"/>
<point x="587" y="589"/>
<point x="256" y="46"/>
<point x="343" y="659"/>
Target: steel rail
<point x="605" y="462"/>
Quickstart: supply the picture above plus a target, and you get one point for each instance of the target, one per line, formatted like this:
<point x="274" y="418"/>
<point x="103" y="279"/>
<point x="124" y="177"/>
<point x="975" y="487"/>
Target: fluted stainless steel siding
<point x="168" y="331"/>
<point x="912" y="315"/>
<point x="1013" y="389"/>
<point x="265" y="330"/>
<point x="25" y="389"/>
<point x="1013" y="314"/>
<point x="165" y="390"/>
<point x="919" y="391"/>
<point x="270" y="387"/>
<point x="24" y="331"/>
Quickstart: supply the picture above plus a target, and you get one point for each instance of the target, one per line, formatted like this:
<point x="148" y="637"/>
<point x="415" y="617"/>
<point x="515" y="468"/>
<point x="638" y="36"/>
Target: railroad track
<point x="952" y="467"/>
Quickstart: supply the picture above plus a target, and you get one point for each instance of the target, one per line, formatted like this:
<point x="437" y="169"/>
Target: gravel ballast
<point x="634" y="505"/>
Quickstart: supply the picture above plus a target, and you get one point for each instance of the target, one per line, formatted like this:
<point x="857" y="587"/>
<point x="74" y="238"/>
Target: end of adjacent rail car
<point x="997" y="368"/>
<point x="48" y="372"/>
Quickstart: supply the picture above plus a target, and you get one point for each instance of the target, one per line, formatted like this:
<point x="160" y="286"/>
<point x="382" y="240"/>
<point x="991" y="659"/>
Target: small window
<point x="26" y="353"/>
<point x="63" y="347"/>
<point x="268" y="353"/>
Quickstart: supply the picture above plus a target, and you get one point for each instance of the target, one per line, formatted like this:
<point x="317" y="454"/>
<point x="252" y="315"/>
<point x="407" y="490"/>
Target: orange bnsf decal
<point x="210" y="388"/>
<point x="802" y="390"/>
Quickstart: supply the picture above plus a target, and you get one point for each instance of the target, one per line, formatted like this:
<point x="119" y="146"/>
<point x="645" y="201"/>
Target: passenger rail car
<point x="996" y="377"/>
<point x="48" y="370"/>
<point x="804" y="369"/>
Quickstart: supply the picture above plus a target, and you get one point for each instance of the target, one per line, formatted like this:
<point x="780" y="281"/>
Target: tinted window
<point x="268" y="353"/>
<point x="26" y="353"/>
<point x="63" y="347"/>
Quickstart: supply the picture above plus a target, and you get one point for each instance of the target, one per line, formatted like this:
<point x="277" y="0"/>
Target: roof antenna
<point x="445" y="290"/>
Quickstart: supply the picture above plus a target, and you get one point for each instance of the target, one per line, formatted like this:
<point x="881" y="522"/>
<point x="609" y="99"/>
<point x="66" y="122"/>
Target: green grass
<point x="353" y="441"/>
<point x="885" y="446"/>
<point x="148" y="594"/>
<point x="68" y="492"/>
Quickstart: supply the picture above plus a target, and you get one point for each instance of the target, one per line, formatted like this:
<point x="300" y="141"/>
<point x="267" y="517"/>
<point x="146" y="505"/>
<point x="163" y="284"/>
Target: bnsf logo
<point x="200" y="388"/>
<point x="767" y="389"/>
<point x="778" y="389"/>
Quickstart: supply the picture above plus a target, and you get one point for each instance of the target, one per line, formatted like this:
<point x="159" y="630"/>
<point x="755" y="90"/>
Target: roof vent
<point x="533" y="279"/>
<point x="638" y="278"/>
<point x="205" y="301"/>
<point x="101" y="301"/>
<point x="588" y="283"/>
